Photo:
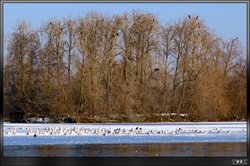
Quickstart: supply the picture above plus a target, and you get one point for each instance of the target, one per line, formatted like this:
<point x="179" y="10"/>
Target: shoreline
<point x="55" y="134"/>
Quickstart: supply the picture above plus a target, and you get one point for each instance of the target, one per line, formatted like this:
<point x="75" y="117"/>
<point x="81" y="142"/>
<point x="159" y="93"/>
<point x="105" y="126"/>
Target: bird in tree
<point x="189" y="16"/>
<point x="197" y="17"/>
<point x="156" y="69"/>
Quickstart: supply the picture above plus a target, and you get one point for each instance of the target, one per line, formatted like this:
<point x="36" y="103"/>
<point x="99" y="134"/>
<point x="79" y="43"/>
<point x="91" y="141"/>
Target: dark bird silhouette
<point x="50" y="23"/>
<point x="117" y="34"/>
<point x="61" y="29"/>
<point x="197" y="17"/>
<point x="189" y="16"/>
<point x="35" y="135"/>
<point x="156" y="69"/>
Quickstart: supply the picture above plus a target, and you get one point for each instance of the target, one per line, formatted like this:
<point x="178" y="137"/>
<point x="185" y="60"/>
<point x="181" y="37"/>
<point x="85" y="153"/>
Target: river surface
<point x="126" y="139"/>
<point x="145" y="150"/>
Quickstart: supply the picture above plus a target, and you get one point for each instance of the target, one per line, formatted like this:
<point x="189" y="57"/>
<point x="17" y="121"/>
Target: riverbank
<point x="131" y="133"/>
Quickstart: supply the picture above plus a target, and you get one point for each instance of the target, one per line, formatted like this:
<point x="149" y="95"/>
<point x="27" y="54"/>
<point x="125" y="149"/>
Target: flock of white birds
<point x="102" y="131"/>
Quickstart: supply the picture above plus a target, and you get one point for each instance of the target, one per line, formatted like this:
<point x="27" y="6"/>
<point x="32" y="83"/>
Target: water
<point x="147" y="150"/>
<point x="215" y="139"/>
<point x="128" y="133"/>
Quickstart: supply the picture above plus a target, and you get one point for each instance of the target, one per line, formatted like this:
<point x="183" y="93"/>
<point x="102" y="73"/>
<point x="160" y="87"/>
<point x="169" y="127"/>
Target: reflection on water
<point x="101" y="150"/>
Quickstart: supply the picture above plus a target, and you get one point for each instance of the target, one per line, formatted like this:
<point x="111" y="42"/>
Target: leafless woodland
<point x="124" y="68"/>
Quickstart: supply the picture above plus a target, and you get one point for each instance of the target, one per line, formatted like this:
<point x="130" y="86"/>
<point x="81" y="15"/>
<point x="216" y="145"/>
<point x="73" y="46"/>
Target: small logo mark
<point x="239" y="161"/>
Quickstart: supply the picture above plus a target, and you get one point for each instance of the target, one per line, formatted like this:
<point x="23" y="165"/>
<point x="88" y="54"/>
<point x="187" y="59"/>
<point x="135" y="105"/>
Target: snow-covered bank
<point x="38" y="134"/>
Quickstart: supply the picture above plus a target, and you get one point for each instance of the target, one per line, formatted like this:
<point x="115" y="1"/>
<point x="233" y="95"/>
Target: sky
<point x="226" y="20"/>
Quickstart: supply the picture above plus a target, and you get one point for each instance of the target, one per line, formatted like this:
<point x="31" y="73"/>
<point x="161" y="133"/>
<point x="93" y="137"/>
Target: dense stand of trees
<point x="126" y="68"/>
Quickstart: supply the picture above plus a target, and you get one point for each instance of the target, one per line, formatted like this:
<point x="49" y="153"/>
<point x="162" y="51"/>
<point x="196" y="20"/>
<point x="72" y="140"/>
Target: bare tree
<point x="125" y="68"/>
